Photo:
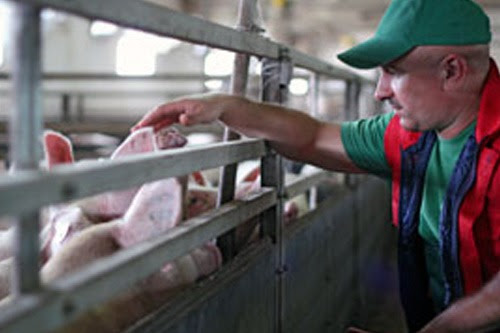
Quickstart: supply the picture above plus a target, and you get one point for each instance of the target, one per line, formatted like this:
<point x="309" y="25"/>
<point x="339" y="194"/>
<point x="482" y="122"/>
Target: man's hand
<point x="292" y="133"/>
<point x="186" y="111"/>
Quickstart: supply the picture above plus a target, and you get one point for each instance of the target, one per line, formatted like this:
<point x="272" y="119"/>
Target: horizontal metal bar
<point x="77" y="76"/>
<point x="163" y="21"/>
<point x="38" y="188"/>
<point x="80" y="76"/>
<point x="236" y="272"/>
<point x="104" y="278"/>
<point x="114" y="93"/>
<point x="304" y="183"/>
<point x="321" y="67"/>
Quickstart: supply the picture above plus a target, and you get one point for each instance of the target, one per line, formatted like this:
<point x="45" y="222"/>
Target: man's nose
<point x="384" y="90"/>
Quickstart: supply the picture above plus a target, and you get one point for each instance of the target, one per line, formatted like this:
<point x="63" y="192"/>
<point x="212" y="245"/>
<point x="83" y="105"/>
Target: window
<point x="102" y="28"/>
<point x="299" y="86"/>
<point x="219" y="62"/>
<point x="136" y="52"/>
<point x="4" y="11"/>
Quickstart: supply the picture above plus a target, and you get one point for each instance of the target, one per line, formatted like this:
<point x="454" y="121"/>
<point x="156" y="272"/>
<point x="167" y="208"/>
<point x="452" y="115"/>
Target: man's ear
<point x="453" y="70"/>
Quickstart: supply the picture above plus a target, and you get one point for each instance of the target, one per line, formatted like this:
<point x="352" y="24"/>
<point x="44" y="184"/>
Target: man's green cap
<point x="410" y="23"/>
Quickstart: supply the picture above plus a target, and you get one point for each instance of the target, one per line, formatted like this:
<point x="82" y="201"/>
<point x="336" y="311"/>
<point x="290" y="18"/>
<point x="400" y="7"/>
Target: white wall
<point x="68" y="47"/>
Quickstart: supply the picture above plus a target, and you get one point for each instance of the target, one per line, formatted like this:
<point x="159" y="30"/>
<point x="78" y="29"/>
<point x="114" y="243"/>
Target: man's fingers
<point x="160" y="117"/>
<point x="186" y="112"/>
<point x="162" y="124"/>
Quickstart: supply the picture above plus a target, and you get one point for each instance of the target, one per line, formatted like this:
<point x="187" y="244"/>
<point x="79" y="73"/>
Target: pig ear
<point x="57" y="148"/>
<point x="198" y="178"/>
<point x="252" y="175"/>
<point x="140" y="141"/>
<point x="156" y="208"/>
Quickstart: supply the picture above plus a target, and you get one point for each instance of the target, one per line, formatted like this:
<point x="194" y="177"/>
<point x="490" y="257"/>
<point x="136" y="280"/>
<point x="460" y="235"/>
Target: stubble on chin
<point x="408" y="125"/>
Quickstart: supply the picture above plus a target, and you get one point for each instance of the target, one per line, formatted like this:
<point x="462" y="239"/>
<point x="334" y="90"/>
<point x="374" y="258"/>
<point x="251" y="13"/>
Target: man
<point x="440" y="147"/>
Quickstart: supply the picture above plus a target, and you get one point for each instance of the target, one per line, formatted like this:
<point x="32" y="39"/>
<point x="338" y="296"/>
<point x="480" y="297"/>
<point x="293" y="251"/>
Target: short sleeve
<point x="363" y="141"/>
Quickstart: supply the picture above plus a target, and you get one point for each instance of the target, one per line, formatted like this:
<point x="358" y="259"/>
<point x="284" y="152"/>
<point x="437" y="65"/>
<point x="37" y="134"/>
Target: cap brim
<point x="374" y="52"/>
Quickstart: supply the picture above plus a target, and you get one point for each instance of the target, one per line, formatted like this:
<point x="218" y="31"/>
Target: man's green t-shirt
<point x="364" y="143"/>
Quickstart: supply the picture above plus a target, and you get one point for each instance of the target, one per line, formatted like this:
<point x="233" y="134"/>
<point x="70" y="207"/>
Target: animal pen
<point x="304" y="277"/>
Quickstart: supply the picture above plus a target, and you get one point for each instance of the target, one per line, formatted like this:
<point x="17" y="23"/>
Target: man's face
<point x="414" y="89"/>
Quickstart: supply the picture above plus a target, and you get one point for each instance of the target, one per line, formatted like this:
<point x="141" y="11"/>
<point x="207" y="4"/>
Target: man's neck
<point x="463" y="119"/>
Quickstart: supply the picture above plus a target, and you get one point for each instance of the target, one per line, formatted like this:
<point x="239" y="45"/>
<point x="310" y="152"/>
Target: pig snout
<point x="168" y="138"/>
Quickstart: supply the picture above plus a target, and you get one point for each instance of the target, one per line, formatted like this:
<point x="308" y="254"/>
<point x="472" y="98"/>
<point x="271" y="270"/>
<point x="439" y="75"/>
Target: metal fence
<point x="27" y="189"/>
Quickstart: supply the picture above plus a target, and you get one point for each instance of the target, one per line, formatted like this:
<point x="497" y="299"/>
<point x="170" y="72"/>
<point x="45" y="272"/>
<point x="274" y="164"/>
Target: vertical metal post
<point x="276" y="76"/>
<point x="25" y="133"/>
<point x="65" y="107"/>
<point x="239" y="78"/>
<point x="351" y="98"/>
<point x="314" y="104"/>
<point x="80" y="107"/>
<point x="314" y="95"/>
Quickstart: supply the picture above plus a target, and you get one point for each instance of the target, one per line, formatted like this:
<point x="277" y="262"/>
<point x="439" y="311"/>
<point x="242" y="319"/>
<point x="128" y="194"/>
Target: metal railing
<point x="47" y="307"/>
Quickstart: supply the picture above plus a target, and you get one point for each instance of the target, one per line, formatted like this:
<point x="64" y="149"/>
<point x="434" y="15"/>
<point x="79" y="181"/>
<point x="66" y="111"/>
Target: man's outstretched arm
<point x="291" y="132"/>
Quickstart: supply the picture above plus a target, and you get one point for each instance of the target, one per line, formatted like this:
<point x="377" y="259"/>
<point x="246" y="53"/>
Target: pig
<point x="156" y="208"/>
<point x="103" y="207"/>
<point x="61" y="222"/>
<point x="110" y="205"/>
<point x="66" y="221"/>
<point x="202" y="198"/>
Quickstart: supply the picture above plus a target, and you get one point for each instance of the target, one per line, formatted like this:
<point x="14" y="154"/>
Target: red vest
<point x="470" y="221"/>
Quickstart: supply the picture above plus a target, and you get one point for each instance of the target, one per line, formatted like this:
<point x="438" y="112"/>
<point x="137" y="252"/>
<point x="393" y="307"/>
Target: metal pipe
<point x="314" y="102"/>
<point x="351" y="98"/>
<point x="276" y="76"/>
<point x="166" y="22"/>
<point x="65" y="107"/>
<point x="69" y="182"/>
<point x="303" y="183"/>
<point x="24" y="134"/>
<point x="100" y="280"/>
<point x="239" y="79"/>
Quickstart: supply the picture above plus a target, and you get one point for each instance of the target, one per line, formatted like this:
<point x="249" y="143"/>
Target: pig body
<point x="105" y="206"/>
<point x="156" y="208"/>
<point x="72" y="239"/>
<point x="105" y="239"/>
